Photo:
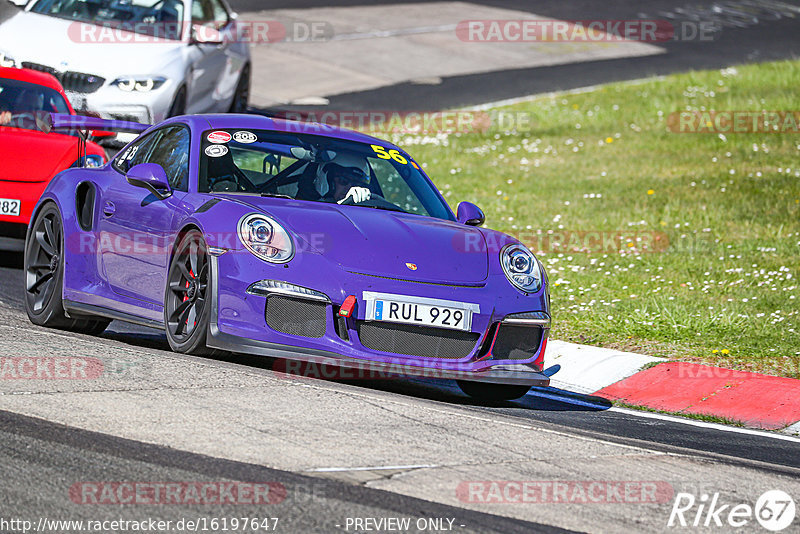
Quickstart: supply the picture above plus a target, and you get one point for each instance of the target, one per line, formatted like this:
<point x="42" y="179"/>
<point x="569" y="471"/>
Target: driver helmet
<point x="29" y="100"/>
<point x="344" y="166"/>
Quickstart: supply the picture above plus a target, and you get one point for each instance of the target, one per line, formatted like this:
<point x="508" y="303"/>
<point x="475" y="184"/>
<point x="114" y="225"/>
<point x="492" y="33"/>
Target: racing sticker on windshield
<point x="219" y="137"/>
<point x="216" y="151"/>
<point x="243" y="136"/>
<point x="390" y="154"/>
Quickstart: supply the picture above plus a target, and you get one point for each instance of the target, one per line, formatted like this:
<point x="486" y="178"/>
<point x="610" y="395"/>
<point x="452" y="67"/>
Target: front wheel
<point x="44" y="276"/>
<point x="187" y="308"/>
<point x="492" y="392"/>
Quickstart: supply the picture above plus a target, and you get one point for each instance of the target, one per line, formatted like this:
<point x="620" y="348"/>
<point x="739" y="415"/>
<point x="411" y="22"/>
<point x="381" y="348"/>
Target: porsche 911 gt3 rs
<point x="290" y="240"/>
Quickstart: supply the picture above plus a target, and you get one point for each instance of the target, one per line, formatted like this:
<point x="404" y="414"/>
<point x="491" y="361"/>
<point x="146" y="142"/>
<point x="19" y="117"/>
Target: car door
<point x="209" y="61"/>
<point x="135" y="225"/>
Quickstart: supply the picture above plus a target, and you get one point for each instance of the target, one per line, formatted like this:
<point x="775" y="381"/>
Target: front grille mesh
<point x="77" y="82"/>
<point x="516" y="342"/>
<point x="422" y="342"/>
<point x="297" y="317"/>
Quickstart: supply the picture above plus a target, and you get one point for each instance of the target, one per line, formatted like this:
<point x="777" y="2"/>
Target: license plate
<point x="420" y="311"/>
<point x="10" y="206"/>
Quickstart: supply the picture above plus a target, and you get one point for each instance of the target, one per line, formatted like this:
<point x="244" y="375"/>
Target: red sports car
<point x="30" y="158"/>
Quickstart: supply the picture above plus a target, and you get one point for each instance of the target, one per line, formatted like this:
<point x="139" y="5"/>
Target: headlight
<point x="7" y="61"/>
<point x="521" y="267"/>
<point x="265" y="238"/>
<point x="93" y="160"/>
<point x="143" y="84"/>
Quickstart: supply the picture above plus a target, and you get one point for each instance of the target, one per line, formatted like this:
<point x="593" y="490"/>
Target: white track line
<point x="705" y="424"/>
<point x="375" y="468"/>
<point x="664" y="417"/>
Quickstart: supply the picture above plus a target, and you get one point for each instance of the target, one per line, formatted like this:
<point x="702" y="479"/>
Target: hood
<point x="30" y="156"/>
<point x="21" y="38"/>
<point x="380" y="242"/>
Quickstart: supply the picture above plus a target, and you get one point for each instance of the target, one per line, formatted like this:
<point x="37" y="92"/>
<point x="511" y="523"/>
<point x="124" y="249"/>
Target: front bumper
<point x="233" y="328"/>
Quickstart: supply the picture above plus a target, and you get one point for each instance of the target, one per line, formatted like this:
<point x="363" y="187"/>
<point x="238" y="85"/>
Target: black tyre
<point x="186" y="307"/>
<point x="44" y="276"/>
<point x="492" y="392"/>
<point x="178" y="106"/>
<point x="242" y="94"/>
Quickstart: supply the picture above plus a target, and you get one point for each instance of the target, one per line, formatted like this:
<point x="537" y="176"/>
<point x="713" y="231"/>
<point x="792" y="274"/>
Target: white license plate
<point x="419" y="310"/>
<point x="10" y="206"/>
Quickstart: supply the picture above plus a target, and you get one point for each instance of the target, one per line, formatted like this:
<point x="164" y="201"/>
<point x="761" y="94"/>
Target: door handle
<point x="109" y="209"/>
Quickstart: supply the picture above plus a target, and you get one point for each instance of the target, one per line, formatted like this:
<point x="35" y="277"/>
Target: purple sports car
<point x="291" y="240"/>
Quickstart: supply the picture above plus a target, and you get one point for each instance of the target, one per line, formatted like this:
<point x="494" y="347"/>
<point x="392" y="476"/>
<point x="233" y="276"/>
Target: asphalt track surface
<point x="42" y="457"/>
<point x="769" y="39"/>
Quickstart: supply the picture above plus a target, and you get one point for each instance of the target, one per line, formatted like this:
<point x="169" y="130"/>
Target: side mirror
<point x="152" y="177"/>
<point x="470" y="214"/>
<point x="205" y="35"/>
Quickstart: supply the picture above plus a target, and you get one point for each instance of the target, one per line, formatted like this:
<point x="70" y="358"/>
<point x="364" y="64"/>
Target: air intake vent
<point x="297" y="317"/>
<point x="516" y="342"/>
<point x="421" y="342"/>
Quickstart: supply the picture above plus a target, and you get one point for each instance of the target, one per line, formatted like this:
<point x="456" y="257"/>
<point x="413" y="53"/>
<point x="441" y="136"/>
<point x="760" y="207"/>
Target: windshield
<point x="316" y="168"/>
<point x="159" y="18"/>
<point x="19" y="101"/>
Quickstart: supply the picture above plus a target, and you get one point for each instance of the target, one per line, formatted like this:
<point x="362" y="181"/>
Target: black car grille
<point x="297" y="317"/>
<point x="13" y="230"/>
<point x="422" y="342"/>
<point x="516" y="342"/>
<point x="77" y="82"/>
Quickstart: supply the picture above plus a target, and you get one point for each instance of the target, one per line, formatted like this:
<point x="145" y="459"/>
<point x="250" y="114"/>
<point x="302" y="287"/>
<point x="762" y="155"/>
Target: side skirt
<point x="79" y="308"/>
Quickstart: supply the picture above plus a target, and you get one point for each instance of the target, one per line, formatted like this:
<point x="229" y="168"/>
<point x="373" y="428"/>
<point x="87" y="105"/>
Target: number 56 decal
<point x="391" y="154"/>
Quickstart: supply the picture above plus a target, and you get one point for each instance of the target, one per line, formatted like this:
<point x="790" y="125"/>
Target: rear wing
<point x="47" y="122"/>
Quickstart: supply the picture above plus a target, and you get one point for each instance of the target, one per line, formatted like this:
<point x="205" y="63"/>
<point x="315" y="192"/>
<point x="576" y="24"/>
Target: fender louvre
<point x="207" y="206"/>
<point x="84" y="205"/>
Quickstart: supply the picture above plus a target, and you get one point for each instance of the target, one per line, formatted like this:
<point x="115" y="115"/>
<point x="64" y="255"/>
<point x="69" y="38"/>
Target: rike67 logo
<point x="774" y="510"/>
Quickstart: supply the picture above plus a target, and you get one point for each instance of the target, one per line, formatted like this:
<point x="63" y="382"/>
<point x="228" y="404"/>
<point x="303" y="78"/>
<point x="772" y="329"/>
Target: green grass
<point x="724" y="291"/>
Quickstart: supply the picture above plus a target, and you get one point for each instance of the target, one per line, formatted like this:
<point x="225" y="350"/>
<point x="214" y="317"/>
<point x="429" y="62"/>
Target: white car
<point x="137" y="60"/>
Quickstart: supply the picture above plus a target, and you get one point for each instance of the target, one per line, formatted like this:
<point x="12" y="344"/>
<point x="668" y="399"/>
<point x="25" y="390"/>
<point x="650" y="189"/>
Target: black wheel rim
<point x="188" y="282"/>
<point x="42" y="261"/>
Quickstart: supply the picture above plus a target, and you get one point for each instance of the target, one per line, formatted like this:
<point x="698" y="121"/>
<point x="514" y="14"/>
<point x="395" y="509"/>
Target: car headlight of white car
<point x="265" y="238"/>
<point x="142" y="84"/>
<point x="521" y="267"/>
<point x="7" y="61"/>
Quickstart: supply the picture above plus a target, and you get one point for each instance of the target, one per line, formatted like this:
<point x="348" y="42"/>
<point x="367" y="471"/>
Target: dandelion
<point x="651" y="192"/>
<point x="609" y="139"/>
<point x="725" y="351"/>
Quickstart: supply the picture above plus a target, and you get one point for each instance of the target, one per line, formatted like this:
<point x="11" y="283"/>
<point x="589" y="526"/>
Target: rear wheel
<point x="44" y="276"/>
<point x="492" y="392"/>
<point x="186" y="306"/>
